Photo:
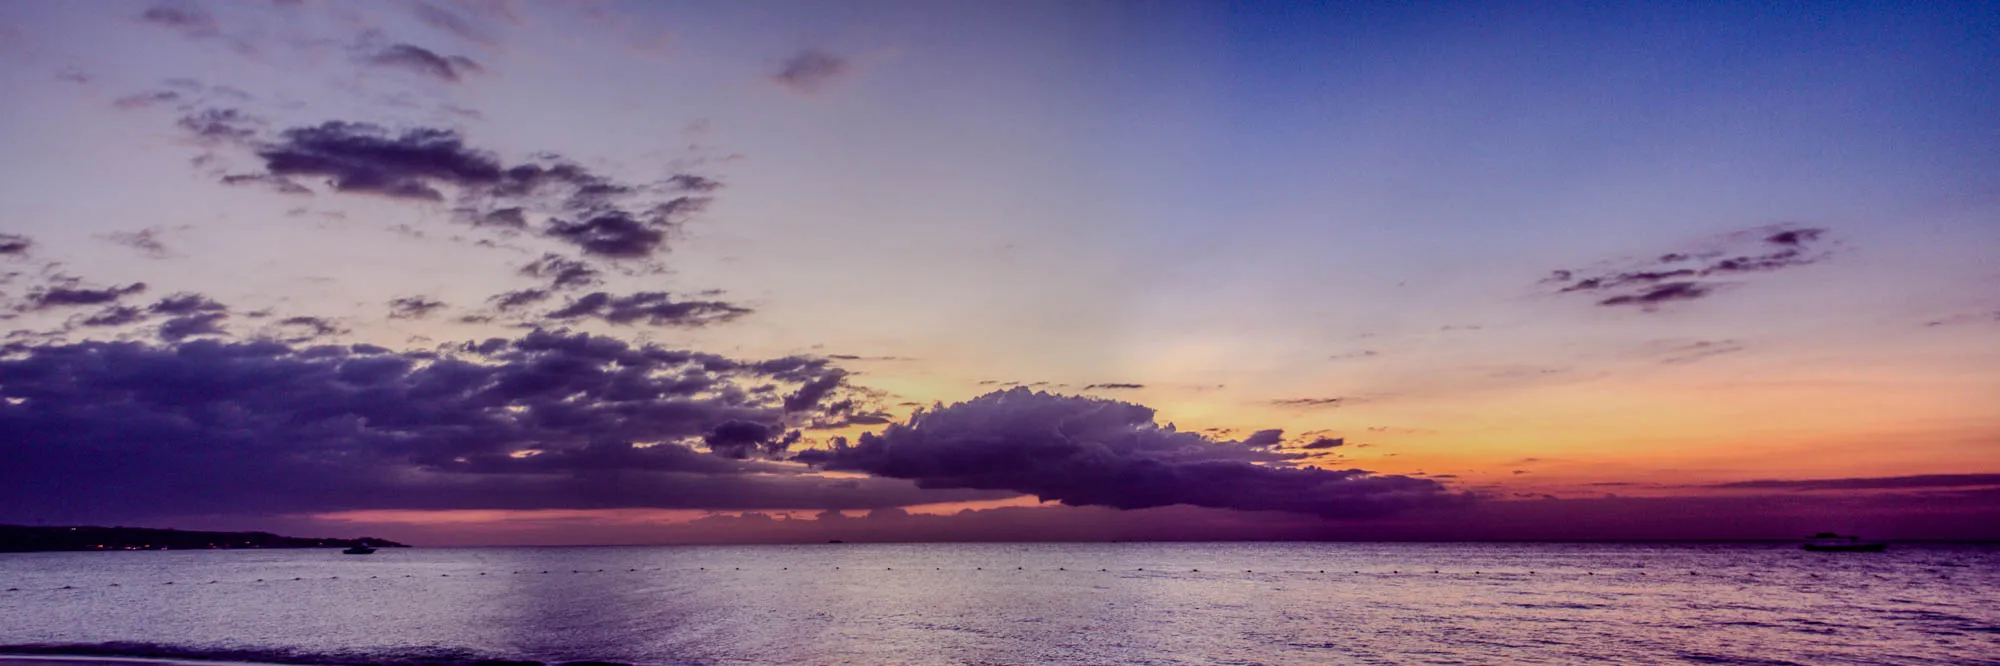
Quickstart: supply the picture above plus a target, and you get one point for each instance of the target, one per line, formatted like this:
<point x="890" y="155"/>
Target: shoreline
<point x="19" y="659"/>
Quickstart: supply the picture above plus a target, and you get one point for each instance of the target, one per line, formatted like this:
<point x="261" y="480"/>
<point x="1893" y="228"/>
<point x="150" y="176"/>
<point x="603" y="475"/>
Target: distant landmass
<point x="27" y="539"/>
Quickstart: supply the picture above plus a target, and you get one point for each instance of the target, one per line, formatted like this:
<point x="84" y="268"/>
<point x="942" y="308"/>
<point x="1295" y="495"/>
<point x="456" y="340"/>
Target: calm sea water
<point x="1023" y="604"/>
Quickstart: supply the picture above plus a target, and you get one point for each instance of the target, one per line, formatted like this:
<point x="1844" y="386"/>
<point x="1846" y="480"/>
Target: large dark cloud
<point x="107" y="431"/>
<point x="1087" y="451"/>
<point x="647" y="307"/>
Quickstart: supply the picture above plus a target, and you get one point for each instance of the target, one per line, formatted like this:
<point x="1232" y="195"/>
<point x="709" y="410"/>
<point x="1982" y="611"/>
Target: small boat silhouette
<point x="361" y="548"/>
<point x="1828" y="542"/>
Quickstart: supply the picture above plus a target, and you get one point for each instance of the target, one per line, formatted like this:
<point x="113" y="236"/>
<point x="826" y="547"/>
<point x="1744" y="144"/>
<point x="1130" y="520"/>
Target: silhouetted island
<point x="26" y="539"/>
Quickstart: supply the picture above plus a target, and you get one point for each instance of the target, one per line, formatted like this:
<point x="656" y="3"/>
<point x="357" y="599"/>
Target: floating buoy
<point x="1103" y="569"/>
<point x="114" y="585"/>
<point x="298" y="579"/>
<point x="260" y="580"/>
<point x="1322" y="571"/>
<point x="482" y="573"/>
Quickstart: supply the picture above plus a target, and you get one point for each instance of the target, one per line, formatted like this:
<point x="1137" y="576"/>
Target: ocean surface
<point x="1229" y="603"/>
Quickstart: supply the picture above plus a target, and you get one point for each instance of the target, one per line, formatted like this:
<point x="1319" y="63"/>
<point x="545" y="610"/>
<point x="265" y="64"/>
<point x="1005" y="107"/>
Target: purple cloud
<point x="1092" y="452"/>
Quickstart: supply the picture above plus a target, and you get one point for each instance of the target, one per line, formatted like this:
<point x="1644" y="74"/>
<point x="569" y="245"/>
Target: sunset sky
<point x="487" y="272"/>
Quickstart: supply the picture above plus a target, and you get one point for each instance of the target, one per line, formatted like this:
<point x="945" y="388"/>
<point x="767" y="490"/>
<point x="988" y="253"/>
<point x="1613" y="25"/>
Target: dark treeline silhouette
<point x="23" y="538"/>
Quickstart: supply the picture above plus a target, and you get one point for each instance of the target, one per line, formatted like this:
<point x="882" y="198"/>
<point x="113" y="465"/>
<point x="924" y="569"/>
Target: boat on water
<point x="359" y="549"/>
<point x="1828" y="542"/>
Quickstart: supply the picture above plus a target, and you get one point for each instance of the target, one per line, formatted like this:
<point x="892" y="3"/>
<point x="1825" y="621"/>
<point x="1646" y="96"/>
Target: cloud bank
<point x="117" y="431"/>
<point x="1091" y="452"/>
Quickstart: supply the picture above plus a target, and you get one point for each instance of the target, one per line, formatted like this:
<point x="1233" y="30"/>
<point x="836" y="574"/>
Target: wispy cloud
<point x="1866" y="483"/>
<point x="811" y="70"/>
<point x="1309" y="403"/>
<point x="650" y="307"/>
<point x="414" y="307"/>
<point x="1692" y="274"/>
<point x="425" y="62"/>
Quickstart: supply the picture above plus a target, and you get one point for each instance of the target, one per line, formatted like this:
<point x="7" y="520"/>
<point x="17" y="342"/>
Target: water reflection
<point x="1034" y="603"/>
